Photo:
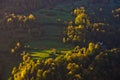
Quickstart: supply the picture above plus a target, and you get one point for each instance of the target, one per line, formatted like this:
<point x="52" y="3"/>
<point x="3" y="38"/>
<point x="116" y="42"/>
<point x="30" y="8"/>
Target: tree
<point x="39" y="74"/>
<point x="81" y="18"/>
<point x="31" y="17"/>
<point x="78" y="33"/>
<point x="78" y="11"/>
<point x="91" y="47"/>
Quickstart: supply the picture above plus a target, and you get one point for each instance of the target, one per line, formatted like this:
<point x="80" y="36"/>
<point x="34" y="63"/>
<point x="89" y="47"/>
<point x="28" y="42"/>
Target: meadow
<point x="52" y="22"/>
<point x="42" y="38"/>
<point x="52" y="39"/>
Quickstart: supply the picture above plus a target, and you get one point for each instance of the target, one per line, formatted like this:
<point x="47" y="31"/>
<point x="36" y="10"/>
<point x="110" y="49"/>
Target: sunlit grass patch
<point x="39" y="55"/>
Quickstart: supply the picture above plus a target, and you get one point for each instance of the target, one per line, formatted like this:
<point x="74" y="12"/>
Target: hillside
<point x="25" y="6"/>
<point x="39" y="37"/>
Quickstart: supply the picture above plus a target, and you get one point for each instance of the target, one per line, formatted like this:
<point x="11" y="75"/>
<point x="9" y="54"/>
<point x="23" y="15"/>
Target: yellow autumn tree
<point x="31" y="17"/>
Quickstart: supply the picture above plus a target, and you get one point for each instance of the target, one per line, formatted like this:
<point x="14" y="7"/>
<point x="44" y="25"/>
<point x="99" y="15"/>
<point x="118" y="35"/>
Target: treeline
<point x="95" y="27"/>
<point x="22" y="6"/>
<point x="18" y="28"/>
<point x="90" y="63"/>
<point x="25" y="6"/>
<point x="104" y="1"/>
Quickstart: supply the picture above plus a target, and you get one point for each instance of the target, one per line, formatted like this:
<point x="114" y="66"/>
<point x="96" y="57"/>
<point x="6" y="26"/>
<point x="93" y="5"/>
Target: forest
<point x="59" y="40"/>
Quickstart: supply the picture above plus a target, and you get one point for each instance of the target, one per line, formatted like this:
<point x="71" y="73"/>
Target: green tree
<point x="39" y="74"/>
<point x="82" y="19"/>
<point x="78" y="33"/>
<point x="91" y="47"/>
<point x="78" y="11"/>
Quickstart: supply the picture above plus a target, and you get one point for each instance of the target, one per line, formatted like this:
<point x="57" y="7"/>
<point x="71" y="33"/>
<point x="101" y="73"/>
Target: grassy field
<point x="52" y="16"/>
<point x="54" y="21"/>
<point x="52" y="39"/>
<point x="58" y="14"/>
